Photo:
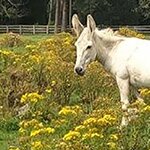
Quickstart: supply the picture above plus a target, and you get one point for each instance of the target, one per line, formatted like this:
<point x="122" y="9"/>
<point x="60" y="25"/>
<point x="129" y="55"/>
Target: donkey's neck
<point x="104" y="45"/>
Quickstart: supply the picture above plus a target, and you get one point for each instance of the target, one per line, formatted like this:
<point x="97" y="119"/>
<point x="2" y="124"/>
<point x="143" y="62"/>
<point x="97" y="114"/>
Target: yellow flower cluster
<point x="27" y="124"/>
<point x="6" y="52"/>
<point x="70" y="111"/>
<point x="91" y="129"/>
<point x="90" y="121"/>
<point x="31" y="97"/>
<point x="30" y="123"/>
<point x="72" y="135"/>
<point x="112" y="145"/>
<point x="47" y="130"/>
<point x="114" y="137"/>
<point x="106" y="120"/>
<point x="145" y="92"/>
<point x="37" y="145"/>
<point x="13" y="148"/>
<point x="36" y="58"/>
<point x="146" y="109"/>
<point x="31" y="47"/>
<point x="91" y="135"/>
<point x="80" y="128"/>
<point x="130" y="33"/>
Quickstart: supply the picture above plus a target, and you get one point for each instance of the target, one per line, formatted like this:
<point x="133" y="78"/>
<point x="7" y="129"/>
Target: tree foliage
<point x="107" y="12"/>
<point x="144" y="9"/>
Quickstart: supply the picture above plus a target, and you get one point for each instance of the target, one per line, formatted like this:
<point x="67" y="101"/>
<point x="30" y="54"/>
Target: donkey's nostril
<point x="79" y="70"/>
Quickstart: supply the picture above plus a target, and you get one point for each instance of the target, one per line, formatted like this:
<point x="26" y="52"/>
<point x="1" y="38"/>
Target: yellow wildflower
<point x="91" y="135"/>
<point x="96" y="135"/>
<point x="106" y="120"/>
<point x="53" y="83"/>
<point x="26" y="124"/>
<point x="147" y="108"/>
<point x="6" y="52"/>
<point x="86" y="136"/>
<point x="31" y="97"/>
<point x="21" y="130"/>
<point x="13" y="148"/>
<point x="48" y="90"/>
<point x="24" y="98"/>
<point x="102" y="122"/>
<point x="34" y="132"/>
<point x="114" y="137"/>
<point x="89" y="121"/>
<point x="109" y="118"/>
<point x="37" y="145"/>
<point x="80" y="128"/>
<point x="112" y="145"/>
<point x="61" y="145"/>
<point x="67" y="111"/>
<point x="36" y="58"/>
<point x="49" y="130"/>
<point x="42" y="131"/>
<point x="30" y="46"/>
<point x="72" y="135"/>
<point x="40" y="125"/>
<point x="33" y="122"/>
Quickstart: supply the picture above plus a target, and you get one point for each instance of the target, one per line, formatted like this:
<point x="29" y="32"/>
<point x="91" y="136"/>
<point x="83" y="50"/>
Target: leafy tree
<point x="108" y="11"/>
<point x="7" y="12"/>
<point x="144" y="10"/>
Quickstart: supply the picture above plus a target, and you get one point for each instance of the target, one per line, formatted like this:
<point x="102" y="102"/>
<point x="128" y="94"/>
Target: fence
<point x="23" y="29"/>
<point x="145" y="29"/>
<point x="45" y="29"/>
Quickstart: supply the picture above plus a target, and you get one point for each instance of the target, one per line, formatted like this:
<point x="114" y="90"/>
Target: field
<point x="45" y="106"/>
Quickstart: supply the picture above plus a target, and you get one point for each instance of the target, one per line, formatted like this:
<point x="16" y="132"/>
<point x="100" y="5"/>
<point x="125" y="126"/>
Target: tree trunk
<point x="57" y="16"/>
<point x="50" y="12"/>
<point x="70" y="13"/>
<point x="64" y="16"/>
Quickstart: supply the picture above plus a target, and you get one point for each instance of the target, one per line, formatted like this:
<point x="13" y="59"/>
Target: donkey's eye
<point x="89" y="47"/>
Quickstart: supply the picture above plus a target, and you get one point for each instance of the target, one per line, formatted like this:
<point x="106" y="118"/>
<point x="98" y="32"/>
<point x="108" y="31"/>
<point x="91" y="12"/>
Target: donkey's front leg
<point x="123" y="85"/>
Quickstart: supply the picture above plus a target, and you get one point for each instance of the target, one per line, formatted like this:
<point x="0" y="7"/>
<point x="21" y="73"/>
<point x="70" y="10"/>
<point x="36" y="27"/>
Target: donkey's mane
<point x="109" y="35"/>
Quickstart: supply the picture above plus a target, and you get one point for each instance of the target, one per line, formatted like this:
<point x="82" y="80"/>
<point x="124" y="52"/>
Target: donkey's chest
<point x="117" y="67"/>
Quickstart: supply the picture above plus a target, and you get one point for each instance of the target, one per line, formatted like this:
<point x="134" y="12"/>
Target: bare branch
<point x="5" y="10"/>
<point x="21" y="3"/>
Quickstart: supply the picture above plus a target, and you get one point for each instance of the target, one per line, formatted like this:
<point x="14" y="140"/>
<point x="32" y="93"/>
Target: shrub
<point x="130" y="33"/>
<point x="11" y="40"/>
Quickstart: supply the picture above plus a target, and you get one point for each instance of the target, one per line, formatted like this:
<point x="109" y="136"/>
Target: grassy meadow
<point x="45" y="106"/>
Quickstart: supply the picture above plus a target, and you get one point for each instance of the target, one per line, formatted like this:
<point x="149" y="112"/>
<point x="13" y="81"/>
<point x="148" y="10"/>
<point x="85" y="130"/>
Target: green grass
<point x="36" y="38"/>
<point x="7" y="138"/>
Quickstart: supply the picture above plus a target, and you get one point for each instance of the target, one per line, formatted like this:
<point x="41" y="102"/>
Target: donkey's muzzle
<point x="79" y="71"/>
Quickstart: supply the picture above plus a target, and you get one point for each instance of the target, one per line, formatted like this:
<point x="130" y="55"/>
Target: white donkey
<point x="127" y="59"/>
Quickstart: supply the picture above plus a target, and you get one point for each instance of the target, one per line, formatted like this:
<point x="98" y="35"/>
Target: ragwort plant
<point x="68" y="127"/>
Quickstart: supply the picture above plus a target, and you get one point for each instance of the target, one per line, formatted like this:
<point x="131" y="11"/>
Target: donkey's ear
<point x="91" y="23"/>
<point x="77" y="26"/>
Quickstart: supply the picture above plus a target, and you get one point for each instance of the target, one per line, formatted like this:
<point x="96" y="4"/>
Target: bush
<point x="11" y="40"/>
<point x="130" y="33"/>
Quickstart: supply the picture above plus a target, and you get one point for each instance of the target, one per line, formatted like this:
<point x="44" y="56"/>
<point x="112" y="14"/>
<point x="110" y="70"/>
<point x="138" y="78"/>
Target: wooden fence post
<point x="33" y="29"/>
<point x="7" y="29"/>
<point x="20" y="29"/>
<point x="47" y="29"/>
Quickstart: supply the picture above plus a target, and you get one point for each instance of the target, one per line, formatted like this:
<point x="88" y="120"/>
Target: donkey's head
<point x="84" y="44"/>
